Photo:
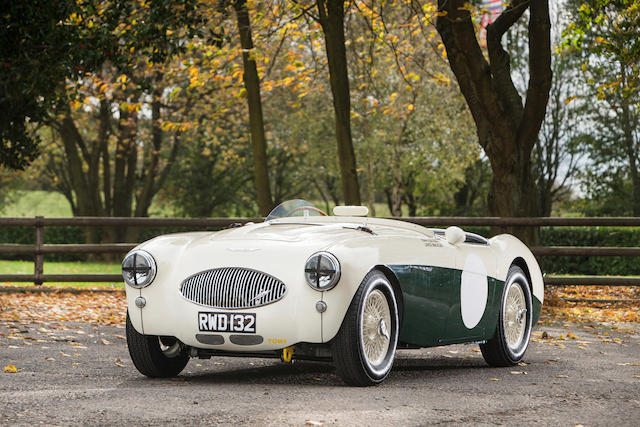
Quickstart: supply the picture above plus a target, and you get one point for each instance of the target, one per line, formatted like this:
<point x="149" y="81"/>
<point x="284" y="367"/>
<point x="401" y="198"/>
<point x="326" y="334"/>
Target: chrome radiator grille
<point x="232" y="287"/>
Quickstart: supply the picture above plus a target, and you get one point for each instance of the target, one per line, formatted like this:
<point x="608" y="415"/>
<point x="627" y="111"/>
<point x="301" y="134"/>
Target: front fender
<point x="510" y="250"/>
<point x="353" y="269"/>
<point x="357" y="258"/>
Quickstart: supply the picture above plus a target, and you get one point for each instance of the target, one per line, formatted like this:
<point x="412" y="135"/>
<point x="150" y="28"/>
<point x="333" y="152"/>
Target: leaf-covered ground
<point x="617" y="304"/>
<point x="105" y="308"/>
<point x="108" y="308"/>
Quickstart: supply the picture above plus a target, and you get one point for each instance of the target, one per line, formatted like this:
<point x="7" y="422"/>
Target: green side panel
<point x="432" y="314"/>
<point x="495" y="310"/>
<point x="537" y="309"/>
<point x="425" y="291"/>
<point x="456" y="330"/>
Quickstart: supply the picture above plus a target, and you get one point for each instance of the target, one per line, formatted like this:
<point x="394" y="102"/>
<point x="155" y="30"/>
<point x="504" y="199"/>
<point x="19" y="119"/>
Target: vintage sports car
<point x="347" y="288"/>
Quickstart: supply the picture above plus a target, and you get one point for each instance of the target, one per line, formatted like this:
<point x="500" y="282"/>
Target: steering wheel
<point x="303" y="208"/>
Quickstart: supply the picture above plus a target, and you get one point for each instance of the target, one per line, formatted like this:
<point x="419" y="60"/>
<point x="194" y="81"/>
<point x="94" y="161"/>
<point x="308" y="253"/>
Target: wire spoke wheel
<point x="364" y="348"/>
<point x="376" y="318"/>
<point x="514" y="316"/>
<point x="511" y="338"/>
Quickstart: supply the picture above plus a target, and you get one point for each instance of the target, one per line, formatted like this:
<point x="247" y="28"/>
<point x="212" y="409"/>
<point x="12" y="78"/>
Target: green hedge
<point x="585" y="236"/>
<point x="591" y="236"/>
<point x="549" y="236"/>
<point x="26" y="236"/>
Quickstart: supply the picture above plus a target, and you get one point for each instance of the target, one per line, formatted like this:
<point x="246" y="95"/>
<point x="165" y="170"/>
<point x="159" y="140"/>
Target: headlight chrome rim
<point x="150" y="269"/>
<point x="312" y="267"/>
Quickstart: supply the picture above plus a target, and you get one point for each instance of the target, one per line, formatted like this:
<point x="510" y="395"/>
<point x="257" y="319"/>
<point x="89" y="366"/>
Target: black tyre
<point x="154" y="356"/>
<point x="364" y="348"/>
<point x="511" y="339"/>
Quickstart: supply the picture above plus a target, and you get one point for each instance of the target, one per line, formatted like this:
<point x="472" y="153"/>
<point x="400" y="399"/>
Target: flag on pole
<point x="491" y="9"/>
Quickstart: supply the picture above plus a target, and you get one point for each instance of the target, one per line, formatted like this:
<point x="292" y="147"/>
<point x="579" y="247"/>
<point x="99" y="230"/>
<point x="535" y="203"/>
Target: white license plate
<point x="227" y="322"/>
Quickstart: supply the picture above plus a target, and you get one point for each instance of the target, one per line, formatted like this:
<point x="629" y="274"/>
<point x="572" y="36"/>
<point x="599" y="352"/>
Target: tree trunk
<point x="632" y="156"/>
<point x="105" y="123"/>
<point x="410" y="200"/>
<point x="371" y="187"/>
<point x="331" y="14"/>
<point x="370" y="179"/>
<point x="332" y="190"/>
<point x="397" y="192"/>
<point x="630" y="149"/>
<point x="85" y="199"/>
<point x="125" y="169"/>
<point x="151" y="167"/>
<point x="69" y="135"/>
<point x="126" y="156"/>
<point x="513" y="192"/>
<point x="387" y="193"/>
<point x="506" y="130"/>
<point x="395" y="200"/>
<point x="321" y="192"/>
<point x="256" y="122"/>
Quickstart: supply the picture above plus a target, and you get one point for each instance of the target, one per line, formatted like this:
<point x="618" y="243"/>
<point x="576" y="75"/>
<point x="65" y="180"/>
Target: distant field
<point x="55" y="205"/>
<point x="38" y="203"/>
<point x="26" y="267"/>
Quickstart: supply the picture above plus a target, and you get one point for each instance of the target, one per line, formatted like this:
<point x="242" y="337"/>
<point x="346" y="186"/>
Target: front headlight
<point x="322" y="271"/>
<point x="138" y="269"/>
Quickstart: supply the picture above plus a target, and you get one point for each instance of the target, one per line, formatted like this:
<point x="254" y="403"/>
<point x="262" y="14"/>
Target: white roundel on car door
<point x="474" y="289"/>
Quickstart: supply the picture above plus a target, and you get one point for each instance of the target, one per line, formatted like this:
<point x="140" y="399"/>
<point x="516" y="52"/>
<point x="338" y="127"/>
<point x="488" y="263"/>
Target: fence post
<point x="39" y="258"/>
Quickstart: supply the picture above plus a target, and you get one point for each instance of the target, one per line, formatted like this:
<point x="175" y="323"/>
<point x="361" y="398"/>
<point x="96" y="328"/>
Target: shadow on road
<point x="310" y="373"/>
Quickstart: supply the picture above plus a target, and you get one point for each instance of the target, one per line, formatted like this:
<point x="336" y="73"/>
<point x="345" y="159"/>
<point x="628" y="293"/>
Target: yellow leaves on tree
<point x="441" y="79"/>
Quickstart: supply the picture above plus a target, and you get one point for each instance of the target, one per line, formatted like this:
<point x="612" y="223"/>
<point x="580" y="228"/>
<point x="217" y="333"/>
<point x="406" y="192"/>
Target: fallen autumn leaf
<point x="11" y="369"/>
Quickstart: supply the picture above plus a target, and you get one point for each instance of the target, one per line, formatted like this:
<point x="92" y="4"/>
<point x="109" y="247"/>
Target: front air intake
<point x="232" y="287"/>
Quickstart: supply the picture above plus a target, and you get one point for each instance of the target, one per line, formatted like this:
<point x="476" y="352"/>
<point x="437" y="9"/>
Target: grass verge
<point x="26" y="267"/>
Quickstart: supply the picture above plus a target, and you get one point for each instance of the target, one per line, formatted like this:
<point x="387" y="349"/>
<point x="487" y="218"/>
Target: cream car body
<point x="448" y="287"/>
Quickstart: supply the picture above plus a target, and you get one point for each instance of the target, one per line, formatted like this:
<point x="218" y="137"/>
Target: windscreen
<point x="293" y="208"/>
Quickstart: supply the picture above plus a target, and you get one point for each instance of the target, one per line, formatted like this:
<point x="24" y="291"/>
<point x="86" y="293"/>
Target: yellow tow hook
<point x="287" y="355"/>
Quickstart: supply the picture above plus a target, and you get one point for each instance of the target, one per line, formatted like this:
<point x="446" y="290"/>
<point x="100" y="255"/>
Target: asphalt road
<point x="82" y="374"/>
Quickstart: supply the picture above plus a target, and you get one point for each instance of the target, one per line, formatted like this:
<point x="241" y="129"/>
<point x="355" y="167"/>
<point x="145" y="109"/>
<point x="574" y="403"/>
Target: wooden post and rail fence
<point x="40" y="248"/>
